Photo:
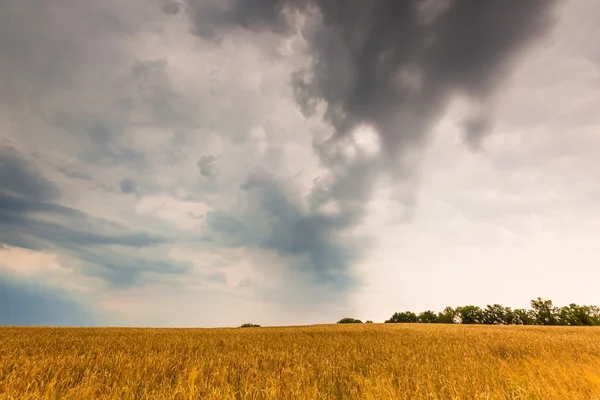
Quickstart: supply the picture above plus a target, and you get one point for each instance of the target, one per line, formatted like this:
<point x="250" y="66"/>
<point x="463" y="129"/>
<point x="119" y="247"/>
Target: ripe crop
<point x="370" y="361"/>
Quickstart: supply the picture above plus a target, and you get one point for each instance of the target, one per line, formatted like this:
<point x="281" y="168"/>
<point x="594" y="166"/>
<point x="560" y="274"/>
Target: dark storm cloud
<point x="30" y="217"/>
<point x="386" y="66"/>
<point x="394" y="64"/>
<point x="30" y="303"/>
<point x="383" y="64"/>
<point x="271" y="218"/>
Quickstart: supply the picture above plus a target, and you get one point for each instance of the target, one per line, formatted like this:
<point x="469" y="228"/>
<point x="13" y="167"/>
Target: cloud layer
<point x="172" y="162"/>
<point x="31" y="218"/>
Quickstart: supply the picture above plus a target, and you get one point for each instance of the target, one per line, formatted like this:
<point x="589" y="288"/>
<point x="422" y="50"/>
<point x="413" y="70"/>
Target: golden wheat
<point x="370" y="361"/>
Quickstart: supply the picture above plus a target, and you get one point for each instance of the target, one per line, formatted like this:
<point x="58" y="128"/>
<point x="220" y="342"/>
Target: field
<point x="369" y="361"/>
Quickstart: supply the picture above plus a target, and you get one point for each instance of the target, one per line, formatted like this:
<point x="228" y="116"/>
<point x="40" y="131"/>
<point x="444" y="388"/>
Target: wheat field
<point x="369" y="361"/>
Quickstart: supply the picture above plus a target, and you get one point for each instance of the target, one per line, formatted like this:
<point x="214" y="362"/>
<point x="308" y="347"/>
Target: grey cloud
<point x="19" y="179"/>
<point x="20" y="217"/>
<point x="171" y="8"/>
<point x="272" y="218"/>
<point x="394" y="65"/>
<point x="155" y="96"/>
<point x="104" y="148"/>
<point x="38" y="53"/>
<point x="387" y="65"/>
<point x="74" y="174"/>
<point x="207" y="165"/>
<point x="363" y="50"/>
<point x="31" y="218"/>
<point x="213" y="17"/>
<point x="87" y="99"/>
<point x="127" y="186"/>
<point x="475" y="130"/>
<point x="121" y="268"/>
<point x="26" y="302"/>
<point x="195" y="216"/>
<point x="83" y="94"/>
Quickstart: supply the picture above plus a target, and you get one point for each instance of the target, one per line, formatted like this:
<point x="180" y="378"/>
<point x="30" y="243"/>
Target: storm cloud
<point x="391" y="67"/>
<point x="385" y="71"/>
<point x="270" y="216"/>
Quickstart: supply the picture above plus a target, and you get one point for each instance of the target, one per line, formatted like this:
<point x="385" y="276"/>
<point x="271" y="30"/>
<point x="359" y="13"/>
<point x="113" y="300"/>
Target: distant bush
<point x="369" y="322"/>
<point x="250" y="326"/>
<point x="349" y="321"/>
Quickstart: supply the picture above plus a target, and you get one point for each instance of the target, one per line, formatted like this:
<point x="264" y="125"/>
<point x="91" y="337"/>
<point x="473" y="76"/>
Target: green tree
<point x="543" y="312"/>
<point x="403" y="317"/>
<point x="523" y="317"/>
<point x="448" y="316"/>
<point x="595" y="315"/>
<point x="509" y="316"/>
<point x="470" y="314"/>
<point x="574" y="315"/>
<point x="428" y="317"/>
<point x="583" y="314"/>
<point x="498" y="315"/>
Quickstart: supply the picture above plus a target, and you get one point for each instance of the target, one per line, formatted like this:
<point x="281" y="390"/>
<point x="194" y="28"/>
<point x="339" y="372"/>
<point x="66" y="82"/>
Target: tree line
<point x="542" y="312"/>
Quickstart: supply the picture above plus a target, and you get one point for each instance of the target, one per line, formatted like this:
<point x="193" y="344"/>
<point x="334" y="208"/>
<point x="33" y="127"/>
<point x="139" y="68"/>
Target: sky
<point x="210" y="163"/>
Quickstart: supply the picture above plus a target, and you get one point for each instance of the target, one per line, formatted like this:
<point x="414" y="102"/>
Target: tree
<point x="595" y="315"/>
<point x="470" y="315"/>
<point x="248" y="325"/>
<point x="403" y="317"/>
<point x="509" y="316"/>
<point x="349" y="321"/>
<point x="498" y="315"/>
<point x="448" y="316"/>
<point x="574" y="315"/>
<point x="523" y="317"/>
<point x="428" y="317"/>
<point x="369" y="322"/>
<point x="543" y="312"/>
